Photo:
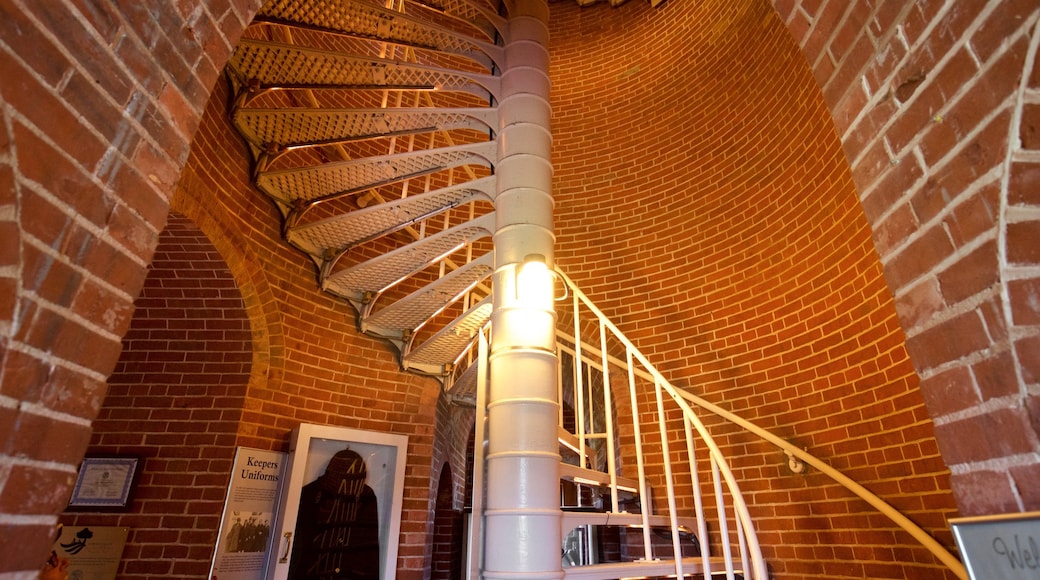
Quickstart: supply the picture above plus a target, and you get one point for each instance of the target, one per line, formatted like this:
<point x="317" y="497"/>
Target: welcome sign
<point x="1002" y="547"/>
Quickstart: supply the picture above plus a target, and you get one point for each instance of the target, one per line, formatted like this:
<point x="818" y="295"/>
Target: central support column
<point x="522" y="515"/>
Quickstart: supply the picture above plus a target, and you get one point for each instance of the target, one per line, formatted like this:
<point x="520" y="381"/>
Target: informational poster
<point x="249" y="511"/>
<point x="89" y="552"/>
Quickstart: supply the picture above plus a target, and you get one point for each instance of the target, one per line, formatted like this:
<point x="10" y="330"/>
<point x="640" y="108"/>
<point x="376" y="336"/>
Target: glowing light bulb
<point x="534" y="282"/>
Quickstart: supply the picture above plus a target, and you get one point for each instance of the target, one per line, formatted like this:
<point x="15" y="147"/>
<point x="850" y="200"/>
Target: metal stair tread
<point x="570" y="441"/>
<point x="649" y="568"/>
<point x="346" y="230"/>
<point x="575" y="518"/>
<point x="355" y="175"/>
<point x="448" y="344"/>
<point x="371" y="21"/>
<point x="409" y="313"/>
<point x="462" y="390"/>
<point x="299" y="126"/>
<point x="591" y="476"/>
<point x="476" y="13"/>
<point x="374" y="276"/>
<point x="264" y="64"/>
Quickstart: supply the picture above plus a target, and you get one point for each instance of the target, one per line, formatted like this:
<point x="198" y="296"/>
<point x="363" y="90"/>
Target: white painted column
<point x="522" y="515"/>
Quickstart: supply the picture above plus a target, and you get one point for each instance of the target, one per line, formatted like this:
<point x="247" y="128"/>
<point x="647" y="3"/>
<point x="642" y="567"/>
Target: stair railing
<point x="747" y="540"/>
<point x="749" y="560"/>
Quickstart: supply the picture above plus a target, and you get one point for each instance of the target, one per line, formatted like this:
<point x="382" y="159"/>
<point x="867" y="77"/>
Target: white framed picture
<point x="340" y="505"/>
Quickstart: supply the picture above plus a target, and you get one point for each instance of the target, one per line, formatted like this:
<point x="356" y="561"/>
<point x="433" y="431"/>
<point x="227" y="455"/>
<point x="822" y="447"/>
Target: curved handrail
<point x="685" y="399"/>
<point x="926" y="540"/>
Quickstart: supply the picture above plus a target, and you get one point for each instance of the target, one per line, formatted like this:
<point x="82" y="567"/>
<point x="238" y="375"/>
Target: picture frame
<point x="105" y="483"/>
<point x="340" y="504"/>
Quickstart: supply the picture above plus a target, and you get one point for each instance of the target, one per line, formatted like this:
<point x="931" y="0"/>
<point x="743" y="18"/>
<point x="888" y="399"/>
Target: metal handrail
<point x="685" y="399"/>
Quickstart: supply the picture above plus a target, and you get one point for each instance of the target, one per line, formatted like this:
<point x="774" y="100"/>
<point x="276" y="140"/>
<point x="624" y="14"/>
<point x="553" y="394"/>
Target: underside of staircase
<point x="373" y="129"/>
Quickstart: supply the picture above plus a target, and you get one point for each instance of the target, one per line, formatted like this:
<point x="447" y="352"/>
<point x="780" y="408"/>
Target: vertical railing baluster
<point x="645" y="508"/>
<point x="559" y="388"/>
<point x="608" y="417"/>
<point x="698" y="500"/>
<point x="579" y="389"/>
<point x="742" y="545"/>
<point x="476" y="528"/>
<point x="669" y="482"/>
<point x="720" y="506"/>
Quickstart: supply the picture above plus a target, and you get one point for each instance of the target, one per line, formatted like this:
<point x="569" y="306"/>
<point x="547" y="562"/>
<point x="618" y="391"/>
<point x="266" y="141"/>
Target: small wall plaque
<point x="89" y="552"/>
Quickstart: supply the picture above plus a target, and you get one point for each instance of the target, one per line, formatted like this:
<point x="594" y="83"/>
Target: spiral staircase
<point x="373" y="129"/>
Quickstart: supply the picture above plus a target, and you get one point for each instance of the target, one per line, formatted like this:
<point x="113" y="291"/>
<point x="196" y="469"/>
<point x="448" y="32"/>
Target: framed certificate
<point x="104" y="483"/>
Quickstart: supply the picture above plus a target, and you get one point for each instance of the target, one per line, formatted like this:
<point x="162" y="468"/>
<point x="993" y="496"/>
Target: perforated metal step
<point x="279" y="129"/>
<point x="462" y="390"/>
<point x="363" y="282"/>
<point x="447" y="345"/>
<point x="258" y="65"/>
<point x="408" y="314"/>
<point x="348" y="177"/>
<point x="480" y="14"/>
<point x="573" y="519"/>
<point x="344" y="231"/>
<point x="378" y="23"/>
<point x="593" y="477"/>
<point x="645" y="568"/>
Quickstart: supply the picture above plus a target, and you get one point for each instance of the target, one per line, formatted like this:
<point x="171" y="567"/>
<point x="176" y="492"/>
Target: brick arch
<point x="932" y="106"/>
<point x="316" y="367"/>
<point x="99" y="111"/>
<point x="446" y="561"/>
<point x="175" y="400"/>
<point x="198" y="196"/>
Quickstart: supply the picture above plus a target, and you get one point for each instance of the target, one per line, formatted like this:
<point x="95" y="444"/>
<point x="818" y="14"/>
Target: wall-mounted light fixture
<point x="534" y="282"/>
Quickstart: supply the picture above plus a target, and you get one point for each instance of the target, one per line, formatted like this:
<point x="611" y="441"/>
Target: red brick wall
<point x="99" y="103"/>
<point x="705" y="203"/>
<point x="175" y="400"/>
<point x="88" y="168"/>
<point x="310" y="365"/>
<point x="447" y="527"/>
<point x="932" y="103"/>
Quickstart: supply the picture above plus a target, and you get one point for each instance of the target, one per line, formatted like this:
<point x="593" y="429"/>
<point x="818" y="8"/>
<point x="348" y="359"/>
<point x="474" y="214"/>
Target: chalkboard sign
<point x="1000" y="547"/>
